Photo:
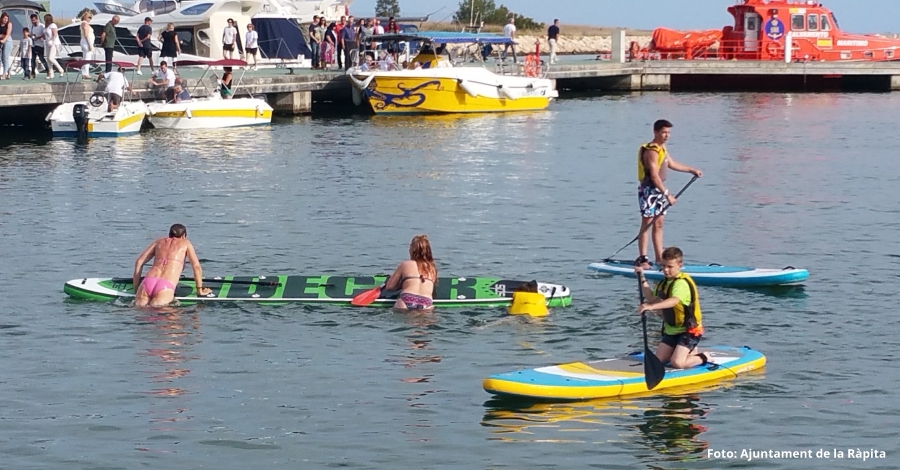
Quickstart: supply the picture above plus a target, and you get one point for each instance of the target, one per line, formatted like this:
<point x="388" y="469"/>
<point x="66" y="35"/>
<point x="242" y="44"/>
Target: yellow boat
<point x="430" y="83"/>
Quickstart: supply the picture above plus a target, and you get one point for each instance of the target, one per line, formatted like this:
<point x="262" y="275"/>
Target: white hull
<point x="127" y="119"/>
<point x="210" y="113"/>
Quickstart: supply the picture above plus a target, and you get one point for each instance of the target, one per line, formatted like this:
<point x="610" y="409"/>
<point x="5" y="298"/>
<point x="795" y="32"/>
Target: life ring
<point x="774" y="49"/>
<point x="635" y="50"/>
<point x="532" y="65"/>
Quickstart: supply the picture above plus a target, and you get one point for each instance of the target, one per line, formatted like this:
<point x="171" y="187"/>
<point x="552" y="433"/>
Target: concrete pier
<point x="292" y="102"/>
<point x="300" y="91"/>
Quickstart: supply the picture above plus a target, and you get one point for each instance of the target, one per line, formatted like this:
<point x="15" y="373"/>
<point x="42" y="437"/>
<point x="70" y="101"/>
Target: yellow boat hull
<point x="416" y="95"/>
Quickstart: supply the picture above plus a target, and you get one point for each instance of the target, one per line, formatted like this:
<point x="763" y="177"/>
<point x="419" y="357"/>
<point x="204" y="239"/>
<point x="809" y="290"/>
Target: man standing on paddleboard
<point x="677" y="301"/>
<point x="158" y="287"/>
<point x="654" y="199"/>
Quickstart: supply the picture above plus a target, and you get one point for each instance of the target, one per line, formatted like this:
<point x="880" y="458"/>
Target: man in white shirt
<point x="116" y="84"/>
<point x="510" y="31"/>
<point x="162" y="79"/>
<point x="228" y="37"/>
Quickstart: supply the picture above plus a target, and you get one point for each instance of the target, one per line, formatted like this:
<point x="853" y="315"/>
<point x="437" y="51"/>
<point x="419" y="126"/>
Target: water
<point x="803" y="180"/>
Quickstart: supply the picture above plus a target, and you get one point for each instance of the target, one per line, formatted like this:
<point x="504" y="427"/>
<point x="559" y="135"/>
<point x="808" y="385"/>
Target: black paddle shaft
<point x="654" y="370"/>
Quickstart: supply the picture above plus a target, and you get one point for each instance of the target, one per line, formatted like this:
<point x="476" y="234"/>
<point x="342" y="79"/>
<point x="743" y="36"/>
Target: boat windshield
<point x="115" y="9"/>
<point x="835" y="22"/>
<point x="158" y="7"/>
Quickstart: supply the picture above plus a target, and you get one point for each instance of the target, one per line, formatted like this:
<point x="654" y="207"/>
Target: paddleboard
<point x="337" y="290"/>
<point x="618" y="376"/>
<point x="713" y="274"/>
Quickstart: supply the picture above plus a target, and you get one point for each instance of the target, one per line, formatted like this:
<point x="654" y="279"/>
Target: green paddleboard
<point x="334" y="290"/>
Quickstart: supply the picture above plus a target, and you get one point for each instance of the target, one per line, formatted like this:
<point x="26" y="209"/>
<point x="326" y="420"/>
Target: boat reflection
<point x="670" y="424"/>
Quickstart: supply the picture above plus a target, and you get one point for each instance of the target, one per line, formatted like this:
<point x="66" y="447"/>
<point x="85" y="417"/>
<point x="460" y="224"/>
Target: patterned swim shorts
<point x="651" y="201"/>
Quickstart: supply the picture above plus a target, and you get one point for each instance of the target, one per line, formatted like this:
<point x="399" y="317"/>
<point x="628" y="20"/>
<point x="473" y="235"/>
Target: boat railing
<point x="802" y="50"/>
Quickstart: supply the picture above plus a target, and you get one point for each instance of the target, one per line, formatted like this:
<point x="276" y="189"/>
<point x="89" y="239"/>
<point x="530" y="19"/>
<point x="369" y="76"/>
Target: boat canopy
<point x="211" y="63"/>
<point x="77" y="64"/>
<point x="443" y="37"/>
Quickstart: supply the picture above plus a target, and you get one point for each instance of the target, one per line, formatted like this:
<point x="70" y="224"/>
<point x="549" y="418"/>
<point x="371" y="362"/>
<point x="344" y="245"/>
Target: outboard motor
<point x="80" y="115"/>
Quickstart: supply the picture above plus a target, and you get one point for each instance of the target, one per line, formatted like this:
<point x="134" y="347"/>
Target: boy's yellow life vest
<point x="661" y="152"/>
<point x="681" y="319"/>
<point x="528" y="303"/>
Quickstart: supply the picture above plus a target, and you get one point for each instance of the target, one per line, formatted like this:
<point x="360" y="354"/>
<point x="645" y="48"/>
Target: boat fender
<point x="188" y="113"/>
<point x="357" y="96"/>
<point x="528" y="303"/>
<point x="467" y="87"/>
<point x="505" y="92"/>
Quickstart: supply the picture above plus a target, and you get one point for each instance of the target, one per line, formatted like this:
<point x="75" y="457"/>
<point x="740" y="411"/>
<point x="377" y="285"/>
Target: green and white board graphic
<point x="326" y="289"/>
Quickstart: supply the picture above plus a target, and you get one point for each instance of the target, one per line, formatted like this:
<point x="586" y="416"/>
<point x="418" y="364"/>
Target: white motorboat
<point x="212" y="111"/>
<point x="199" y="24"/>
<point x="93" y="118"/>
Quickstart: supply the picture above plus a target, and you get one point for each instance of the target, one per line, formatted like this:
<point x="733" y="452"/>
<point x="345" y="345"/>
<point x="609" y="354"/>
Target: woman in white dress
<point x="52" y="44"/>
<point x="87" y="44"/>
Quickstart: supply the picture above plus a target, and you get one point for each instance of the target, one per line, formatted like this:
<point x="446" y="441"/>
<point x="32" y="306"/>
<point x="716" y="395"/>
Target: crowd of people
<point x="333" y="44"/>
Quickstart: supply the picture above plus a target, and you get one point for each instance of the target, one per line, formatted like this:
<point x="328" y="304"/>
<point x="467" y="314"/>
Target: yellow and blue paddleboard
<point x="618" y="376"/>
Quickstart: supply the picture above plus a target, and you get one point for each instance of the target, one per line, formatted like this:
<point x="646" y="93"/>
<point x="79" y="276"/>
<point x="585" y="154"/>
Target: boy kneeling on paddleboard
<point x="675" y="299"/>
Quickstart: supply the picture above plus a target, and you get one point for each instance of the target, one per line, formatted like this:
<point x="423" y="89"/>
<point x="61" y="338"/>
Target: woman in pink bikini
<point x="415" y="277"/>
<point x="158" y="287"/>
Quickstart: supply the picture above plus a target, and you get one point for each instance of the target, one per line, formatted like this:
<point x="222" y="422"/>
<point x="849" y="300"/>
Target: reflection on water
<point x="670" y="424"/>
<point x="168" y="338"/>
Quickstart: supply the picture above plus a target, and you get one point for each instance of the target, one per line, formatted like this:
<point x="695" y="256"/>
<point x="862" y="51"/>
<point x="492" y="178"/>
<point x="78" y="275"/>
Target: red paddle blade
<point x="366" y="297"/>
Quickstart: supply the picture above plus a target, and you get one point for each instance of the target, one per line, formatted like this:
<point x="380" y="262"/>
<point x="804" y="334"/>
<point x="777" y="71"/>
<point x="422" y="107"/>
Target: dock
<point x="296" y="91"/>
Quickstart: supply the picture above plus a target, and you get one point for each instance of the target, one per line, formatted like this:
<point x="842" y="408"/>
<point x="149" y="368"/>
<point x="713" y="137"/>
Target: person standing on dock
<point x="653" y="163"/>
<point x="315" y="41"/>
<point x="251" y="42"/>
<point x="145" y="48"/>
<point x="348" y="42"/>
<point x="510" y="32"/>
<point x="229" y="36"/>
<point x="51" y="39"/>
<point x="552" y="38"/>
<point x="37" y="47"/>
<point x="157" y="288"/>
<point x="108" y="40"/>
<point x="25" y="52"/>
<point x="87" y="44"/>
<point x="340" y="44"/>
<point x="6" y="45"/>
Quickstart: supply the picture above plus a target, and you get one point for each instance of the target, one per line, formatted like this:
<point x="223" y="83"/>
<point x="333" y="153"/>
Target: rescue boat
<point x="785" y="30"/>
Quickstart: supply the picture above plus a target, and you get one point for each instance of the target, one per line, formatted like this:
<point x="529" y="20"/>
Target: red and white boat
<point x="765" y="29"/>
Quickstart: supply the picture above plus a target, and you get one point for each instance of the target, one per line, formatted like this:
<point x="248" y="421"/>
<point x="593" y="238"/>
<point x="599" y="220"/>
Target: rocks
<point x="576" y="45"/>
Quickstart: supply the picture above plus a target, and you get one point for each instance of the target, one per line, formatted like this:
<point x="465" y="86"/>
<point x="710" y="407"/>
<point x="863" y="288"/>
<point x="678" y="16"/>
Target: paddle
<point x="367" y="297"/>
<point x="654" y="370"/>
<point x="665" y="206"/>
<point x="122" y="280"/>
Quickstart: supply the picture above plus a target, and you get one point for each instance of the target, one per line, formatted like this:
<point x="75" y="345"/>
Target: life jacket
<point x="681" y="318"/>
<point x="528" y="303"/>
<point x="643" y="176"/>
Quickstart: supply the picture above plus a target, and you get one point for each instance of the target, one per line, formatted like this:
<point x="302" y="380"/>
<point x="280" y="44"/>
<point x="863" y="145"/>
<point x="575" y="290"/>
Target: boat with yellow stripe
<point x="430" y="82"/>
<point x="212" y="111"/>
<point x="94" y="118"/>
<point x="618" y="376"/>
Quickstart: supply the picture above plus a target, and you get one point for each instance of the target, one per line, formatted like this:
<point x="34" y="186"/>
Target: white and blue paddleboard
<point x="618" y="376"/>
<point x="713" y="274"/>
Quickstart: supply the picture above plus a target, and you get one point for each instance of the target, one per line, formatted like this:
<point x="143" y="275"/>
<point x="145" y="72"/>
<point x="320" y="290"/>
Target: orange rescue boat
<point x="766" y="29"/>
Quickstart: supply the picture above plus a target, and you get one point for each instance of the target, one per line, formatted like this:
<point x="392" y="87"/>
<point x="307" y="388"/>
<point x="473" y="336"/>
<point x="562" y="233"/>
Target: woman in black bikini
<point x="415" y="277"/>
